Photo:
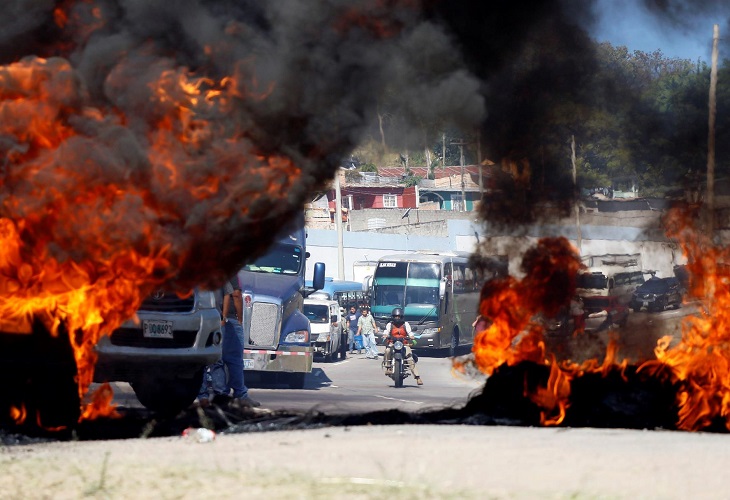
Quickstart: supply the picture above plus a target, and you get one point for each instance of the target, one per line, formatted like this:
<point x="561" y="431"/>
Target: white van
<point x="610" y="275"/>
<point x="324" y="320"/>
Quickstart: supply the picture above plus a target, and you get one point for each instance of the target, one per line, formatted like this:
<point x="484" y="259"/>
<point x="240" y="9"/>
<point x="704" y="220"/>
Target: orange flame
<point x="53" y="204"/>
<point x="516" y="309"/>
<point x="701" y="361"/>
<point x="515" y="334"/>
<point x="18" y="414"/>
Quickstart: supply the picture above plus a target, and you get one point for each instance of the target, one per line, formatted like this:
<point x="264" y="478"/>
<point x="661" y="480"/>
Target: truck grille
<point x="132" y="337"/>
<point x="168" y="302"/>
<point x="264" y="325"/>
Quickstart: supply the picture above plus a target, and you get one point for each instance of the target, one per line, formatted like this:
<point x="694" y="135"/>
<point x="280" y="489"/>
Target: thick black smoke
<point x="298" y="83"/>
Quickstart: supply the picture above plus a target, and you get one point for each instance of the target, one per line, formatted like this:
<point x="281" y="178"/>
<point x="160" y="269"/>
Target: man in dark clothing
<point x="352" y="318"/>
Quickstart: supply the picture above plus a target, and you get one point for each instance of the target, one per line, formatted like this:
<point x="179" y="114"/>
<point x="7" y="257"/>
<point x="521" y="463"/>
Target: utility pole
<point x="579" y="236"/>
<point x="443" y="151"/>
<point x="479" y="163"/>
<point x="338" y="225"/>
<point x="461" y="145"/>
<point x="710" y="195"/>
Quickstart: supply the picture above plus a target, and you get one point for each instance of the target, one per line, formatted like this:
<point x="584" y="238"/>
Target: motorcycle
<point x="399" y="366"/>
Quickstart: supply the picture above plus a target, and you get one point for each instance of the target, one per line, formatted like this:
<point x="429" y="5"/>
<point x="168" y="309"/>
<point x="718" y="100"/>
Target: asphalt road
<point x="355" y="385"/>
<point x="358" y="384"/>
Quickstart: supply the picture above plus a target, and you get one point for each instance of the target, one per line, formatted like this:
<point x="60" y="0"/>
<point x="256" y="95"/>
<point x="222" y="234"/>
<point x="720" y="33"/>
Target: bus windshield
<point x="279" y="259"/>
<point x="414" y="286"/>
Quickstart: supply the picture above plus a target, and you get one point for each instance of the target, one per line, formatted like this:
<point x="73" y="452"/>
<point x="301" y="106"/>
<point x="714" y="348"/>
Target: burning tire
<point x="39" y="392"/>
<point x="168" y="396"/>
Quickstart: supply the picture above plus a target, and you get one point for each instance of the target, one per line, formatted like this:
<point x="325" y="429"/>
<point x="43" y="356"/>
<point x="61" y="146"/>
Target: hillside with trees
<point x="634" y="115"/>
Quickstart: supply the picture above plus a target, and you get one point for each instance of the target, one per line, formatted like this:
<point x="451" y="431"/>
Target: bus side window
<point x="469" y="280"/>
<point x="458" y="278"/>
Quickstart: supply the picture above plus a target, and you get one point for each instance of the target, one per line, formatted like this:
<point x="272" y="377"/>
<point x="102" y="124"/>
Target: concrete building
<point x="399" y="230"/>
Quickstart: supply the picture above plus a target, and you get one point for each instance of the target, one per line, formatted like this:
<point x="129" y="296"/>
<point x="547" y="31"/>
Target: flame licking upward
<point x="699" y="364"/>
<point x="513" y="307"/>
<point x="80" y="247"/>
<point x="701" y="361"/>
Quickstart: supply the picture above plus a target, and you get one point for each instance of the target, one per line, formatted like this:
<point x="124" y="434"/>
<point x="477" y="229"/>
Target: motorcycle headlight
<point x="398" y="345"/>
<point x="298" y="337"/>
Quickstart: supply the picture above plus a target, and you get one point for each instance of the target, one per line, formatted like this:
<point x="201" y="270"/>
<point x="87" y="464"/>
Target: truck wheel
<point x="168" y="396"/>
<point x="296" y="380"/>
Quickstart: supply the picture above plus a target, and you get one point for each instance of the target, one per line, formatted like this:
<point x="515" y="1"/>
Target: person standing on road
<point x="399" y="329"/>
<point x="231" y="353"/>
<point x="367" y="328"/>
<point x="352" y="319"/>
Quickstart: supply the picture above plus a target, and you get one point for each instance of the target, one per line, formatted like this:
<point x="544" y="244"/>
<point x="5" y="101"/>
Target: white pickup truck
<point x="163" y="355"/>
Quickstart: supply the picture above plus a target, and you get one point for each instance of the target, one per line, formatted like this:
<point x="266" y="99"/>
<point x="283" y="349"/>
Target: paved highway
<point x="355" y="385"/>
<point x="358" y="384"/>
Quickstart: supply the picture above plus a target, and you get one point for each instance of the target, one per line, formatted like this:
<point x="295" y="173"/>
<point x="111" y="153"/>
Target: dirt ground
<point x="412" y="461"/>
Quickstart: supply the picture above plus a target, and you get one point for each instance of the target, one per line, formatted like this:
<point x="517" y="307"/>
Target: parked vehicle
<point x="610" y="275"/>
<point x="347" y="294"/>
<point x="162" y="356"/>
<point x="600" y="313"/>
<point x="657" y="294"/>
<point x="325" y="323"/>
<point x="276" y="330"/>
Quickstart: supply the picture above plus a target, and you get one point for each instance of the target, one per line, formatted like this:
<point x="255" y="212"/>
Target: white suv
<point x="163" y="355"/>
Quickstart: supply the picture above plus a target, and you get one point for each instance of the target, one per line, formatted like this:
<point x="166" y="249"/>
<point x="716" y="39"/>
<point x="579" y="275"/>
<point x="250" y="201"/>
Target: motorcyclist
<point x="399" y="329"/>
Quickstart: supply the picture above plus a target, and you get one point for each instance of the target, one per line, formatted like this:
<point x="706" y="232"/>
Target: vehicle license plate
<point x="157" y="329"/>
<point x="646" y="304"/>
<point x="248" y="364"/>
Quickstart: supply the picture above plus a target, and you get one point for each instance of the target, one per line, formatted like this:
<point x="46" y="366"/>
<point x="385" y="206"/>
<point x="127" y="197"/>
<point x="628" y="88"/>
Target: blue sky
<point x="627" y="22"/>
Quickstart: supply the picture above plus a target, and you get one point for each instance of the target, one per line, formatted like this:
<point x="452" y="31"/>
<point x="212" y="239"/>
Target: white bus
<point x="438" y="292"/>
